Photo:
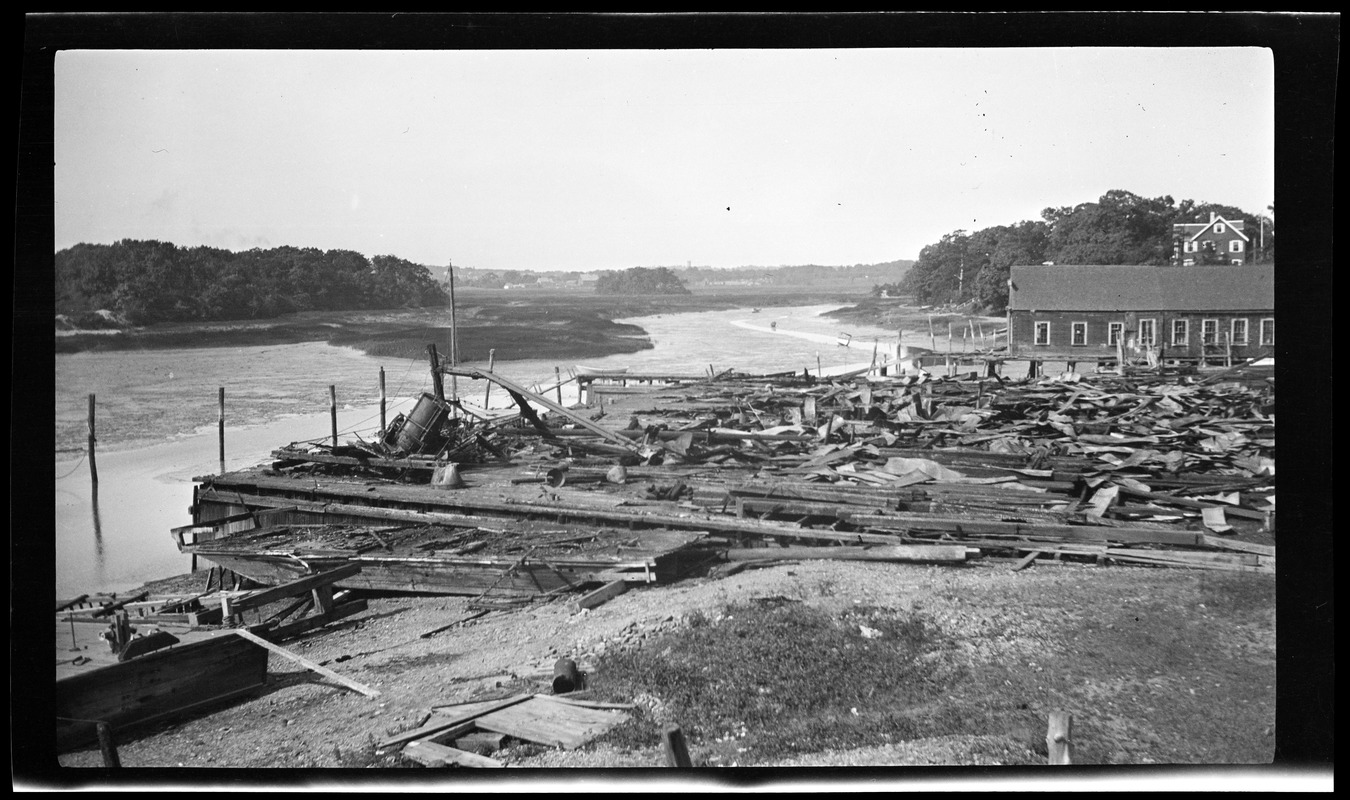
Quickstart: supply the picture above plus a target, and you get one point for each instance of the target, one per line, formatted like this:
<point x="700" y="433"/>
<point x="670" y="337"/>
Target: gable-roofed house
<point x="1080" y="312"/>
<point x="1220" y="241"/>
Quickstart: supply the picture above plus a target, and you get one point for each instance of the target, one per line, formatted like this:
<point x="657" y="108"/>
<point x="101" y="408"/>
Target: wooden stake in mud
<point x="332" y="410"/>
<point x="222" y="430"/>
<point x="819" y="372"/>
<point x="557" y="379"/>
<point x="677" y="752"/>
<point x="382" y="401"/>
<point x="93" y="466"/>
<point x="107" y="745"/>
<point x="1059" y="738"/>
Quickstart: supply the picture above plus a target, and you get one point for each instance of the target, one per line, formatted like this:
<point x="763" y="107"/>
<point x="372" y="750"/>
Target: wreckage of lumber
<point x="165" y="683"/>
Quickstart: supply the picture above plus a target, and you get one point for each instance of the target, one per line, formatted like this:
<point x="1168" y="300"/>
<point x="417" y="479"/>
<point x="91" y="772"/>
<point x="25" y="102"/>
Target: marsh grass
<point x="763" y="681"/>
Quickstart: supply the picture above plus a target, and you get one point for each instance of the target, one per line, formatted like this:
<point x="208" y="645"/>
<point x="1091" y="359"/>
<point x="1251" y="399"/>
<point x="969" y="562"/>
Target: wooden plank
<point x="307" y="664"/>
<point x="554" y="724"/>
<point x="603" y="594"/>
<point x="299" y="626"/>
<point x="894" y="552"/>
<point x="1026" y="561"/>
<point x="158" y="685"/>
<point x="460" y="717"/>
<point x="430" y="754"/>
<point x="306" y="584"/>
<point x="1234" y="544"/>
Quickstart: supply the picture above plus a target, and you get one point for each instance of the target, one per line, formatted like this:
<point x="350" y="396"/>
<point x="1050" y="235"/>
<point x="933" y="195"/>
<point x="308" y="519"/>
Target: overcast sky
<point x="582" y="160"/>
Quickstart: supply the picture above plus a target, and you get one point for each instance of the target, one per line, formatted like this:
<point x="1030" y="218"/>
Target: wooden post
<point x="819" y="371"/>
<point x="932" y="339"/>
<point x="454" y="331"/>
<point x="557" y="380"/>
<point x="93" y="466"/>
<point x="222" y="430"/>
<point x="1228" y="350"/>
<point x="487" y="393"/>
<point x="1059" y="738"/>
<point x="383" y="427"/>
<point x="108" y="745"/>
<point x="332" y="410"/>
<point x="437" y="378"/>
<point x="677" y="752"/>
<point x="949" y="338"/>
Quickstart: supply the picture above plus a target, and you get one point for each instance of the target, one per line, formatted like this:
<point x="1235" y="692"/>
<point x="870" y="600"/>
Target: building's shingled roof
<point x="1069" y="287"/>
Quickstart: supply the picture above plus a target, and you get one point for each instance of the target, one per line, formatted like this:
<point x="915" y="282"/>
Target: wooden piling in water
<point x="382" y="401"/>
<point x="93" y="466"/>
<point x="557" y="379"/>
<point x="332" y="410"/>
<point x="221" y="426"/>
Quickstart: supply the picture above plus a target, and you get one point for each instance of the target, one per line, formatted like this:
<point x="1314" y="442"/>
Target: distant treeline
<point x="1120" y="228"/>
<point x="816" y="275"/>
<point x="145" y="282"/>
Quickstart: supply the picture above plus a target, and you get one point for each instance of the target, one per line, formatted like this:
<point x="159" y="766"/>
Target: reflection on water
<point x="158" y="414"/>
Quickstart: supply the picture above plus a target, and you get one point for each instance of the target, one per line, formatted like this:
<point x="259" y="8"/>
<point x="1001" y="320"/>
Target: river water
<point x="157" y="415"/>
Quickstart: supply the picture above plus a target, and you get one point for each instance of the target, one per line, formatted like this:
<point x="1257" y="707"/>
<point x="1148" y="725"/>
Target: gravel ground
<point x="302" y="720"/>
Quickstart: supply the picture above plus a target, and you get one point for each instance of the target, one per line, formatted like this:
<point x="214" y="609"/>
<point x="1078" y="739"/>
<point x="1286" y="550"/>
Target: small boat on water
<point x="845" y="339"/>
<point x="600" y="372"/>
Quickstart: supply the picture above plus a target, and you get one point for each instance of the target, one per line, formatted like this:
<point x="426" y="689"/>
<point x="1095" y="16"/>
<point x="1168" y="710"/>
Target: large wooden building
<point x="1080" y="312"/>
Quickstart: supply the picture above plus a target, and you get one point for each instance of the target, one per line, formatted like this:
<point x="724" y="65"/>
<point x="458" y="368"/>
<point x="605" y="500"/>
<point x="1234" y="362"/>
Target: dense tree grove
<point x="1119" y="228"/>
<point x="149" y="281"/>
<point x="640" y="280"/>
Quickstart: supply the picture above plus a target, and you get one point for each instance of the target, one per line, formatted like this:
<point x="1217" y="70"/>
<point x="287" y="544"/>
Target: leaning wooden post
<point x="819" y="372"/>
<point x="382" y="401"/>
<point x="222" y="430"/>
<point x="454" y="331"/>
<point x="332" y="410"/>
<point x="1059" y="738"/>
<point x="108" y="745"/>
<point x="677" y="752"/>
<point x="93" y="466"/>
<point x="487" y="393"/>
<point x="557" y="379"/>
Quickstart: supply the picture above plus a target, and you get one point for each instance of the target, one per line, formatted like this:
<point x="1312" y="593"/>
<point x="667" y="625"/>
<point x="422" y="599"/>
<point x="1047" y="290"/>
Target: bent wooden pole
<point x="512" y="386"/>
<point x="307" y="664"/>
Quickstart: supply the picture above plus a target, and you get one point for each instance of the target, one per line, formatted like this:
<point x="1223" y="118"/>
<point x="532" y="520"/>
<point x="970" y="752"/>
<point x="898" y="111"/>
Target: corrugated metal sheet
<point x="1071" y="287"/>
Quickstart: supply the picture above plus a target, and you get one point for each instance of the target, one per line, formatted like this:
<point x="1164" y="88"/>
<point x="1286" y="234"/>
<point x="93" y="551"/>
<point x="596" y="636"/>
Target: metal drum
<point x="422" y="430"/>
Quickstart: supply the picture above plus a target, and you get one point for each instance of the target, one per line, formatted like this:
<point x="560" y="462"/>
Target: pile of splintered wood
<point x="1150" y="469"/>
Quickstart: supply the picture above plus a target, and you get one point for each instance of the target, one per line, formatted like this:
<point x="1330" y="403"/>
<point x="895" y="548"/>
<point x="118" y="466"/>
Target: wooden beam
<point x="602" y="595"/>
<point x="430" y="754"/>
<point x="285" y="590"/>
<point x="895" y="552"/>
<point x="307" y="664"/>
<point x="440" y="728"/>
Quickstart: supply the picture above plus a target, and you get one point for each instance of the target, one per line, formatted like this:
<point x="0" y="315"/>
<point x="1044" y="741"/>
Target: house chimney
<point x="1212" y="215"/>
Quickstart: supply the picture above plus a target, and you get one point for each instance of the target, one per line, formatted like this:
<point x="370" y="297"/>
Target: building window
<point x="1190" y="247"/>
<point x="1209" y="331"/>
<point x="1079" y="334"/>
<point x="1042" y="333"/>
<point x="1235" y="246"/>
<point x="1114" y="330"/>
<point x="1239" y="335"/>
<point x="1147" y="332"/>
<point x="1268" y="331"/>
<point x="1237" y="262"/>
<point x="1187" y="262"/>
<point x="1181" y="330"/>
<point x="1218" y="228"/>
